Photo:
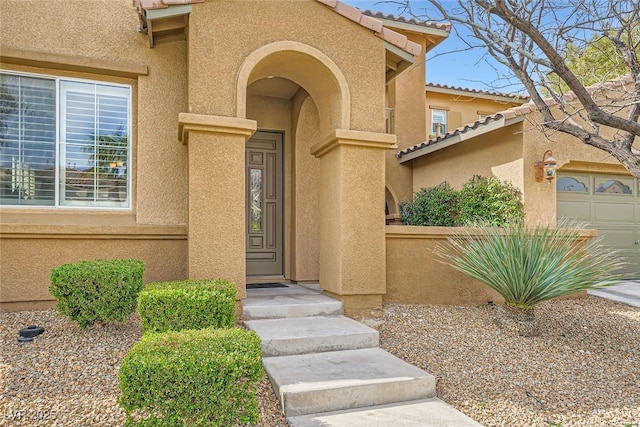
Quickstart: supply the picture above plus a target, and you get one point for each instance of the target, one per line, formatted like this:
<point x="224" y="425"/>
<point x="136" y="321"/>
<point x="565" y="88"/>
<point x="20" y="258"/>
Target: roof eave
<point x="415" y="28"/>
<point x="397" y="60"/>
<point x="469" y="94"/>
<point x="458" y="137"/>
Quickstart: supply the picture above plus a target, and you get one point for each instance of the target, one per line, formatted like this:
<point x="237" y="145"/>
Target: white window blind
<point x="27" y="140"/>
<point x="438" y="122"/>
<point x="64" y="142"/>
<point x="94" y="144"/>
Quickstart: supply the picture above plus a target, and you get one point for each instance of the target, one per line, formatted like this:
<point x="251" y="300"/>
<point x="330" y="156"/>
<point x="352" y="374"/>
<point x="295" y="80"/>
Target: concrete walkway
<point x="628" y="293"/>
<point x="328" y="370"/>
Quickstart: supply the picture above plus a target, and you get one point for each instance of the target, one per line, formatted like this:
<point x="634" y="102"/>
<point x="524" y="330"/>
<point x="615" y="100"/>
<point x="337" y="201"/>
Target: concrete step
<point x="276" y="305"/>
<point x="419" y="413"/>
<point x="282" y="337"/>
<point x="337" y="380"/>
<point x="628" y="293"/>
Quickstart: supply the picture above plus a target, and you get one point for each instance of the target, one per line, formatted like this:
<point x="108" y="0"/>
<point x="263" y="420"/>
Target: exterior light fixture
<point x="546" y="168"/>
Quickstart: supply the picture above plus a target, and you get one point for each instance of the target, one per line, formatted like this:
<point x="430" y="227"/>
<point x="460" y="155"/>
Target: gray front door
<point x="264" y="204"/>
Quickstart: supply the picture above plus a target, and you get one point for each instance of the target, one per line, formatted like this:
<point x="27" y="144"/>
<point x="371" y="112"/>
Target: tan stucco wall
<point x="498" y="154"/>
<point x="461" y="110"/>
<point x="306" y="230"/>
<point x="28" y="254"/>
<point x="218" y="45"/>
<point x="405" y="96"/>
<point x="414" y="276"/>
<point x="65" y="30"/>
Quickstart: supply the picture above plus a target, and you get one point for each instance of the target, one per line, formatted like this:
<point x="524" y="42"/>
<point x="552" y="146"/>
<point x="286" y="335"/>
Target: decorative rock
<point x="518" y="321"/>
<point x="76" y="379"/>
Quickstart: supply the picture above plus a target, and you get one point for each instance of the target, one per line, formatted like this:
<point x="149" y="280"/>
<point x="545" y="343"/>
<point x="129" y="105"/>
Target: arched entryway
<point x="310" y="105"/>
<point x="296" y="94"/>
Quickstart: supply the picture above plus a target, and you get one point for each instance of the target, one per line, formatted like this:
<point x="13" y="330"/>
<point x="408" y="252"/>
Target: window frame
<point x="58" y="185"/>
<point x="434" y="112"/>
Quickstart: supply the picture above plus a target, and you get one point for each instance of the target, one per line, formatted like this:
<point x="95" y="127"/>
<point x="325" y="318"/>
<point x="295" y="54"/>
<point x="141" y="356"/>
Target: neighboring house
<point x="233" y="139"/>
<point x="591" y="186"/>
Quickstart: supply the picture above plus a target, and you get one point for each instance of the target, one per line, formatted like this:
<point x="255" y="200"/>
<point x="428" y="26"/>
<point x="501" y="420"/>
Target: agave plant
<point x="530" y="265"/>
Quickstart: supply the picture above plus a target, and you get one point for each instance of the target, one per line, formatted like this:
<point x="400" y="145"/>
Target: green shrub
<point x="430" y="206"/>
<point x="97" y="291"/>
<point x="530" y="265"/>
<point x="489" y="201"/>
<point x="189" y="304"/>
<point x="197" y="378"/>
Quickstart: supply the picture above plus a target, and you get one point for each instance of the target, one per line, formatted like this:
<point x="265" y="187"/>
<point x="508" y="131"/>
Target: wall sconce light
<point x="546" y="168"/>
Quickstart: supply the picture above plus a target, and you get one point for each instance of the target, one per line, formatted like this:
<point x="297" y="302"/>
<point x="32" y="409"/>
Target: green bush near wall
<point x="488" y="201"/>
<point x="188" y="304"/>
<point x="97" y="291"/>
<point x="481" y="201"/>
<point x="430" y="206"/>
<point x="201" y="377"/>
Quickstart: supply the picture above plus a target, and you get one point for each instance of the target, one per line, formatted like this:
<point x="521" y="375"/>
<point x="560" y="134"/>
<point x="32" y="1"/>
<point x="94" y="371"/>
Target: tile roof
<point x="478" y="91"/>
<point x="363" y="18"/>
<point x="412" y="21"/>
<point x="387" y="34"/>
<point x="514" y="113"/>
<point x="461" y="130"/>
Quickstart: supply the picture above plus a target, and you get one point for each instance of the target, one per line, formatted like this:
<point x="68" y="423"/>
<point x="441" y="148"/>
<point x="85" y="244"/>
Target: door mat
<point x="265" y="285"/>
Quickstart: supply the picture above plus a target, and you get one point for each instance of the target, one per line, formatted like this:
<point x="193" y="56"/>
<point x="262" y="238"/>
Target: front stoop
<point x="331" y="381"/>
<point x="289" y="336"/>
<point x="419" y="413"/>
<point x="268" y="304"/>
<point x="328" y="370"/>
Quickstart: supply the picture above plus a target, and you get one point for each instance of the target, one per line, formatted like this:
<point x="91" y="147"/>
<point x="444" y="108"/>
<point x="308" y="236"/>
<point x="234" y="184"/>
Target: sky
<point x="470" y="69"/>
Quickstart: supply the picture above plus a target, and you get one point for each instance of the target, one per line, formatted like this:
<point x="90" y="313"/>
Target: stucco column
<point x="216" y="196"/>
<point x="352" y="217"/>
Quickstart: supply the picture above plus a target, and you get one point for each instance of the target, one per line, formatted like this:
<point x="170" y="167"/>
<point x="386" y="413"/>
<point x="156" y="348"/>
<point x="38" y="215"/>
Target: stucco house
<point x="208" y="138"/>
<point x="591" y="186"/>
<point x="246" y="140"/>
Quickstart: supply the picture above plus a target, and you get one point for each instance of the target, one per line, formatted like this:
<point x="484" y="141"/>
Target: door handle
<point x="637" y="242"/>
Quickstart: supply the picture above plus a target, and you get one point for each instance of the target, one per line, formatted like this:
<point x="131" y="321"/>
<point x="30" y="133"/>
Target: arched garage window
<point x="567" y="183"/>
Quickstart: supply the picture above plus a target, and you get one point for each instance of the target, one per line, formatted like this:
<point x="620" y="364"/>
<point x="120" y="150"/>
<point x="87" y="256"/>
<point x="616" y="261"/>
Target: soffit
<point x="275" y="87"/>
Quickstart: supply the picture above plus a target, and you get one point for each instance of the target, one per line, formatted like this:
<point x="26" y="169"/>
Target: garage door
<point x="608" y="203"/>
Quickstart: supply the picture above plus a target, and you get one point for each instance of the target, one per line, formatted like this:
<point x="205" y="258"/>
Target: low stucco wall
<point x="415" y="276"/>
<point x="30" y="252"/>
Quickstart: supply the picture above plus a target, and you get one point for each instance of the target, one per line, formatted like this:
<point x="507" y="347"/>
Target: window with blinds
<point x="72" y="149"/>
<point x="438" y="122"/>
<point x="27" y="140"/>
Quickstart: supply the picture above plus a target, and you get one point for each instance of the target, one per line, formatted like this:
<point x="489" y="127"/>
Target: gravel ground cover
<point x="69" y="376"/>
<point x="582" y="368"/>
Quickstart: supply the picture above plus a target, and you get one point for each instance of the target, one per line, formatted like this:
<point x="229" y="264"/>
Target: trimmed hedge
<point x="201" y="377"/>
<point x="188" y="304"/>
<point x="97" y="291"/>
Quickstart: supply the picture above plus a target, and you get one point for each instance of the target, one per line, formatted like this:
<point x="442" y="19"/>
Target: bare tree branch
<point x="532" y="38"/>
